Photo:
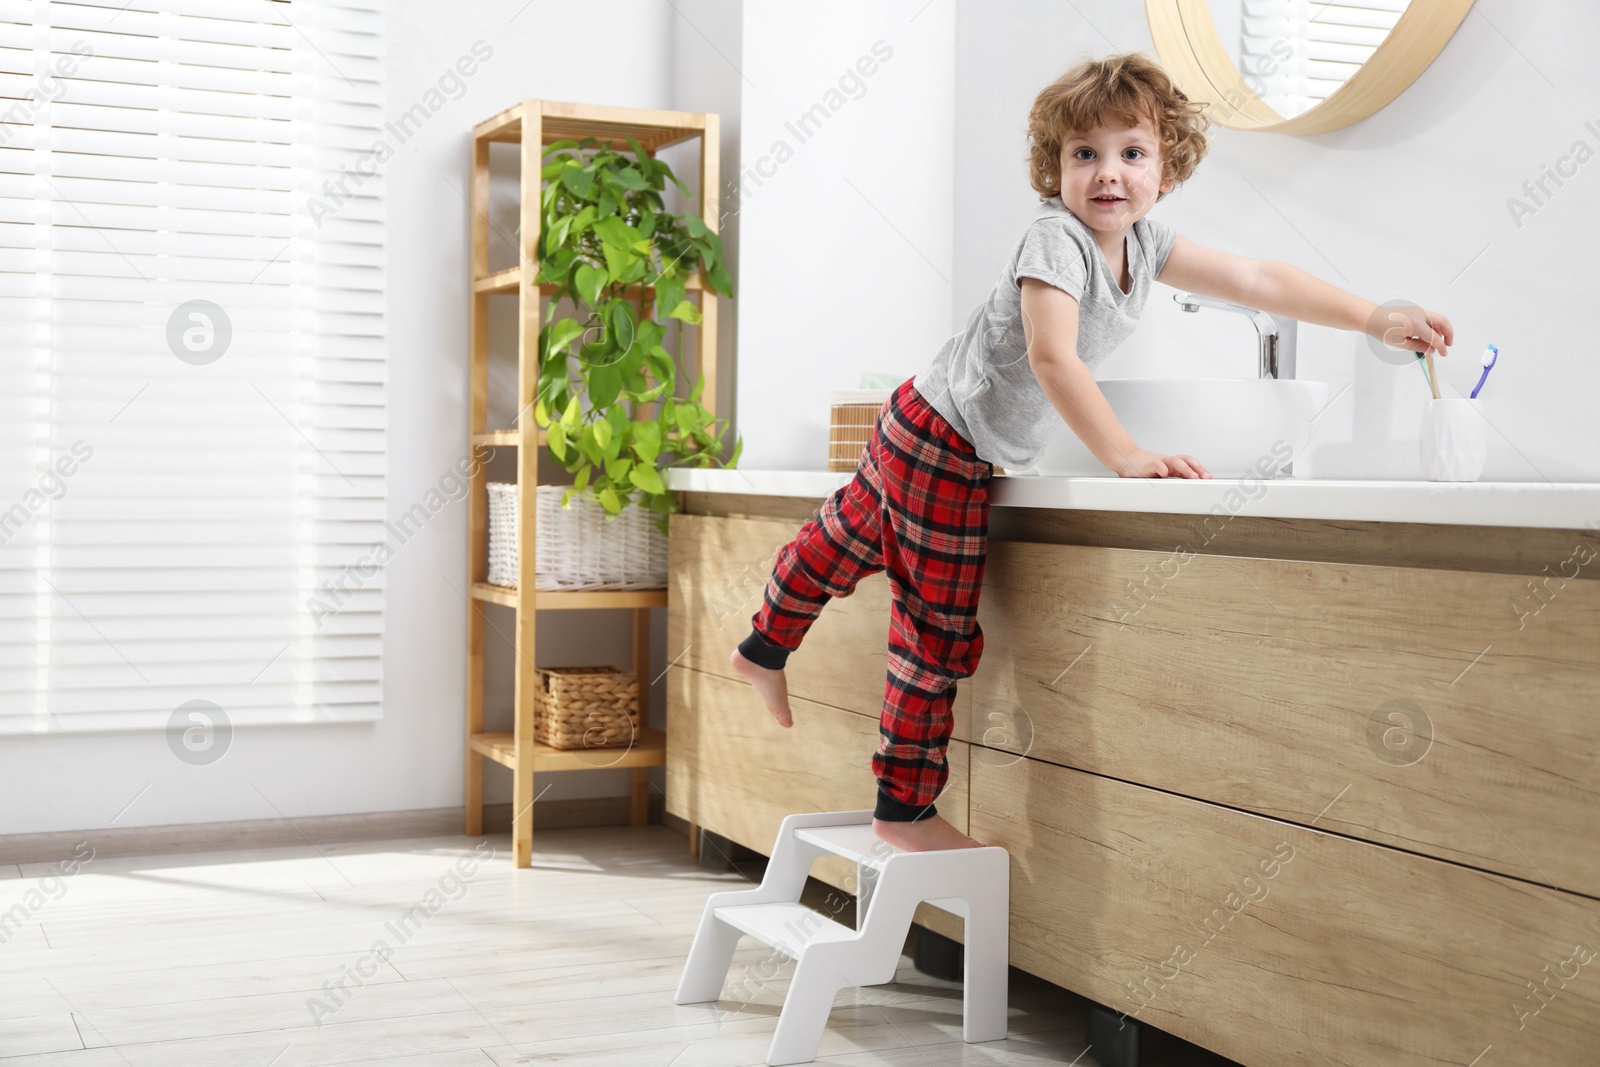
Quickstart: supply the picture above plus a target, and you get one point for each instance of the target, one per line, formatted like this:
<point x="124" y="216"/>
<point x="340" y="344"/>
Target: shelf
<point x="614" y="125"/>
<point x="510" y="281"/>
<point x="531" y="124"/>
<point x="573" y="599"/>
<point x="506" y="438"/>
<point x="649" y="749"/>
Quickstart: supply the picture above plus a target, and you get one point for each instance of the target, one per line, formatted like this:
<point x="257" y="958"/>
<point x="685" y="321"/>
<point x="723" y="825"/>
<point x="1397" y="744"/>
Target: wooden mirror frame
<point x="1187" y="42"/>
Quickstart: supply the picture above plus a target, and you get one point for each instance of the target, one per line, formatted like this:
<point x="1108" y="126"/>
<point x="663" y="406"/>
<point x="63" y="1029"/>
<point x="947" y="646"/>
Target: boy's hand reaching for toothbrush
<point x="1145" y="464"/>
<point x="1413" y="329"/>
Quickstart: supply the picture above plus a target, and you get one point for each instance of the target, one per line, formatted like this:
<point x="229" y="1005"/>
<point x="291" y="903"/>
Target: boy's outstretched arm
<point x="1289" y="291"/>
<point x="1050" y="329"/>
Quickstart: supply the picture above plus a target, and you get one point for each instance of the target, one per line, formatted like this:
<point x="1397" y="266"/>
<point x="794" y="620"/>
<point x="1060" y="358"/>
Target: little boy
<point x="1108" y="140"/>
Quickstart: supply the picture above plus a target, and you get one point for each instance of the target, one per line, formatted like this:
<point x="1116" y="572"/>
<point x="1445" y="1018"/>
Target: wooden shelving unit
<point x="534" y="124"/>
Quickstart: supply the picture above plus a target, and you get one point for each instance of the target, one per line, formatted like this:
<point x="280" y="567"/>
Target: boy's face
<point x="1119" y="163"/>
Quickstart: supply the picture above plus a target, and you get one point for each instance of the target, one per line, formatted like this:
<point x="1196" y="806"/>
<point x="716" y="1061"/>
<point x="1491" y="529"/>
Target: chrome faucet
<point x="1276" y="333"/>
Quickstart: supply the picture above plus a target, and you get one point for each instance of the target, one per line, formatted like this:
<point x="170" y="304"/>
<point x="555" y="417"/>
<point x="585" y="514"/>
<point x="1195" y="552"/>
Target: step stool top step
<point x="787" y="927"/>
<point x="855" y="842"/>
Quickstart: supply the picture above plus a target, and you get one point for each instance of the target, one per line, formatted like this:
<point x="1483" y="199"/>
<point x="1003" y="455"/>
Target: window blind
<point x="1295" y="53"/>
<point x="192" y="364"/>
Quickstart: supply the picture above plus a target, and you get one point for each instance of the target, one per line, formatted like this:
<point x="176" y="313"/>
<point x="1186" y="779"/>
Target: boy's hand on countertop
<point x="1145" y="464"/>
<point x="1412" y="329"/>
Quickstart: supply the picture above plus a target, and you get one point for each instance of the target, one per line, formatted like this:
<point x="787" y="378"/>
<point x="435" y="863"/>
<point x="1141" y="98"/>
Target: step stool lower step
<point x="787" y="927"/>
<point x="971" y="882"/>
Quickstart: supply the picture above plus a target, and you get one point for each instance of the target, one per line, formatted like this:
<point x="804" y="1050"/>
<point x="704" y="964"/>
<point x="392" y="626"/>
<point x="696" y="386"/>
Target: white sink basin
<point x="1234" y="427"/>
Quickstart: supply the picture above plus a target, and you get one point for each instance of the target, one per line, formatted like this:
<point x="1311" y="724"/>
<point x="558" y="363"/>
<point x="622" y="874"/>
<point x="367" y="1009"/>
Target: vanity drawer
<point x="1271" y="943"/>
<point x="1451" y="712"/>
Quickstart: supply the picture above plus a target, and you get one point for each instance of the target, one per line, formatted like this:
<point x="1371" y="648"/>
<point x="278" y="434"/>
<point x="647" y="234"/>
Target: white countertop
<point x="1557" y="505"/>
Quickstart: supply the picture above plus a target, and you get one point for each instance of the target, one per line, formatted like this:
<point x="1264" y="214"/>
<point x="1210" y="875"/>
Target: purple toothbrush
<point x="1490" y="355"/>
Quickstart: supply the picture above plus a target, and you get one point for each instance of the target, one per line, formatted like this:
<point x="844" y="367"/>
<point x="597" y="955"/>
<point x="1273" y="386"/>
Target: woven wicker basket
<point x="579" y="547"/>
<point x="854" y="414"/>
<point x="585" y="707"/>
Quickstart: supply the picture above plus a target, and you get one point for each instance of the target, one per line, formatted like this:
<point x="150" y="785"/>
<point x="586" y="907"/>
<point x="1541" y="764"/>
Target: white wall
<point x="1410" y="203"/>
<point x="846" y="227"/>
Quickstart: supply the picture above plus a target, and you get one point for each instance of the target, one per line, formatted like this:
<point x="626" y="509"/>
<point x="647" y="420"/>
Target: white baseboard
<point x="318" y="830"/>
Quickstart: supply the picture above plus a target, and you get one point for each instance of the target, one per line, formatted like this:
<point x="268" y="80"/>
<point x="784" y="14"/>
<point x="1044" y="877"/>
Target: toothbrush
<point x="1490" y="355"/>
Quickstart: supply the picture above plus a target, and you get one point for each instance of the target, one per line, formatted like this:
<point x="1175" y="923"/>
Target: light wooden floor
<point x="220" y="959"/>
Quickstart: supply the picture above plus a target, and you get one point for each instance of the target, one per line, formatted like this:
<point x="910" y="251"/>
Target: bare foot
<point x="924" y="835"/>
<point x="772" y="685"/>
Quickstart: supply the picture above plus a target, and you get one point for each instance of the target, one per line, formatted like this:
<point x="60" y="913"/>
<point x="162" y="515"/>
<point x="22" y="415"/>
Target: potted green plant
<point x="604" y="231"/>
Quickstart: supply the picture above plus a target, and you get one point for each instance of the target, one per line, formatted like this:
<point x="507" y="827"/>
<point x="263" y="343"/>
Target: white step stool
<point x="974" y="883"/>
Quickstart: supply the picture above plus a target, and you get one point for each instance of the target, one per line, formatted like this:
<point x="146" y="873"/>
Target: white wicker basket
<point x="503" y="534"/>
<point x="579" y="547"/>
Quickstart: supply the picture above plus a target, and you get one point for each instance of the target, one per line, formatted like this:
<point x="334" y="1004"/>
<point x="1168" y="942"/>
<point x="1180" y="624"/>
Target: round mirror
<point x="1298" y="66"/>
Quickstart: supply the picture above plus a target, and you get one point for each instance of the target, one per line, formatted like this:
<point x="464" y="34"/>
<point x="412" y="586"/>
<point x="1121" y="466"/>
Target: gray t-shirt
<point x="981" y="382"/>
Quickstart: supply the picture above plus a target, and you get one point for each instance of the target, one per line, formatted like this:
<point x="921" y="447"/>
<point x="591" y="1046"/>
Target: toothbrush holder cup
<point x="1454" y="439"/>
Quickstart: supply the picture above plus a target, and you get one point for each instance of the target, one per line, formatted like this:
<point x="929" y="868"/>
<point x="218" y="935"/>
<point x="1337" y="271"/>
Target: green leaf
<point x="652" y="394"/>
<point x="585" y="444"/>
<point x="604" y="385"/>
<point x="562" y="332"/>
<point x="695" y="225"/>
<point x="557" y="234"/>
<point x="630" y="178"/>
<point x="540" y="417"/>
<point x="647" y="441"/>
<point x="580" y="181"/>
<point x="617" y="261"/>
<point x="569" y="418"/>
<point x="556" y="146"/>
<point x="622" y="326"/>
<point x="602" y="434"/>
<point x="718" y="278"/>
<point x="685" y="312"/>
<point x="610" y="501"/>
<point x="738" y="446"/>
<point x="613" y="231"/>
<point x="661" y="364"/>
<point x="669" y="292"/>
<point x="647" y="479"/>
<point x="554" y="265"/>
<point x="608" y="203"/>
<point x="708" y="255"/>
<point x="581" y="482"/>
<point x="590" y="281"/>
<point x="557" y="438"/>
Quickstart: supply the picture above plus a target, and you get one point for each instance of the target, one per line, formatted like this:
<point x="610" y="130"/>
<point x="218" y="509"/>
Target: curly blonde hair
<point x="1131" y="88"/>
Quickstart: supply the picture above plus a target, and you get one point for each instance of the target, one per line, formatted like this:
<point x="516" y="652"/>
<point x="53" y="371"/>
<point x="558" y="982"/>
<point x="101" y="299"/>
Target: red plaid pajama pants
<point x="918" y="509"/>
